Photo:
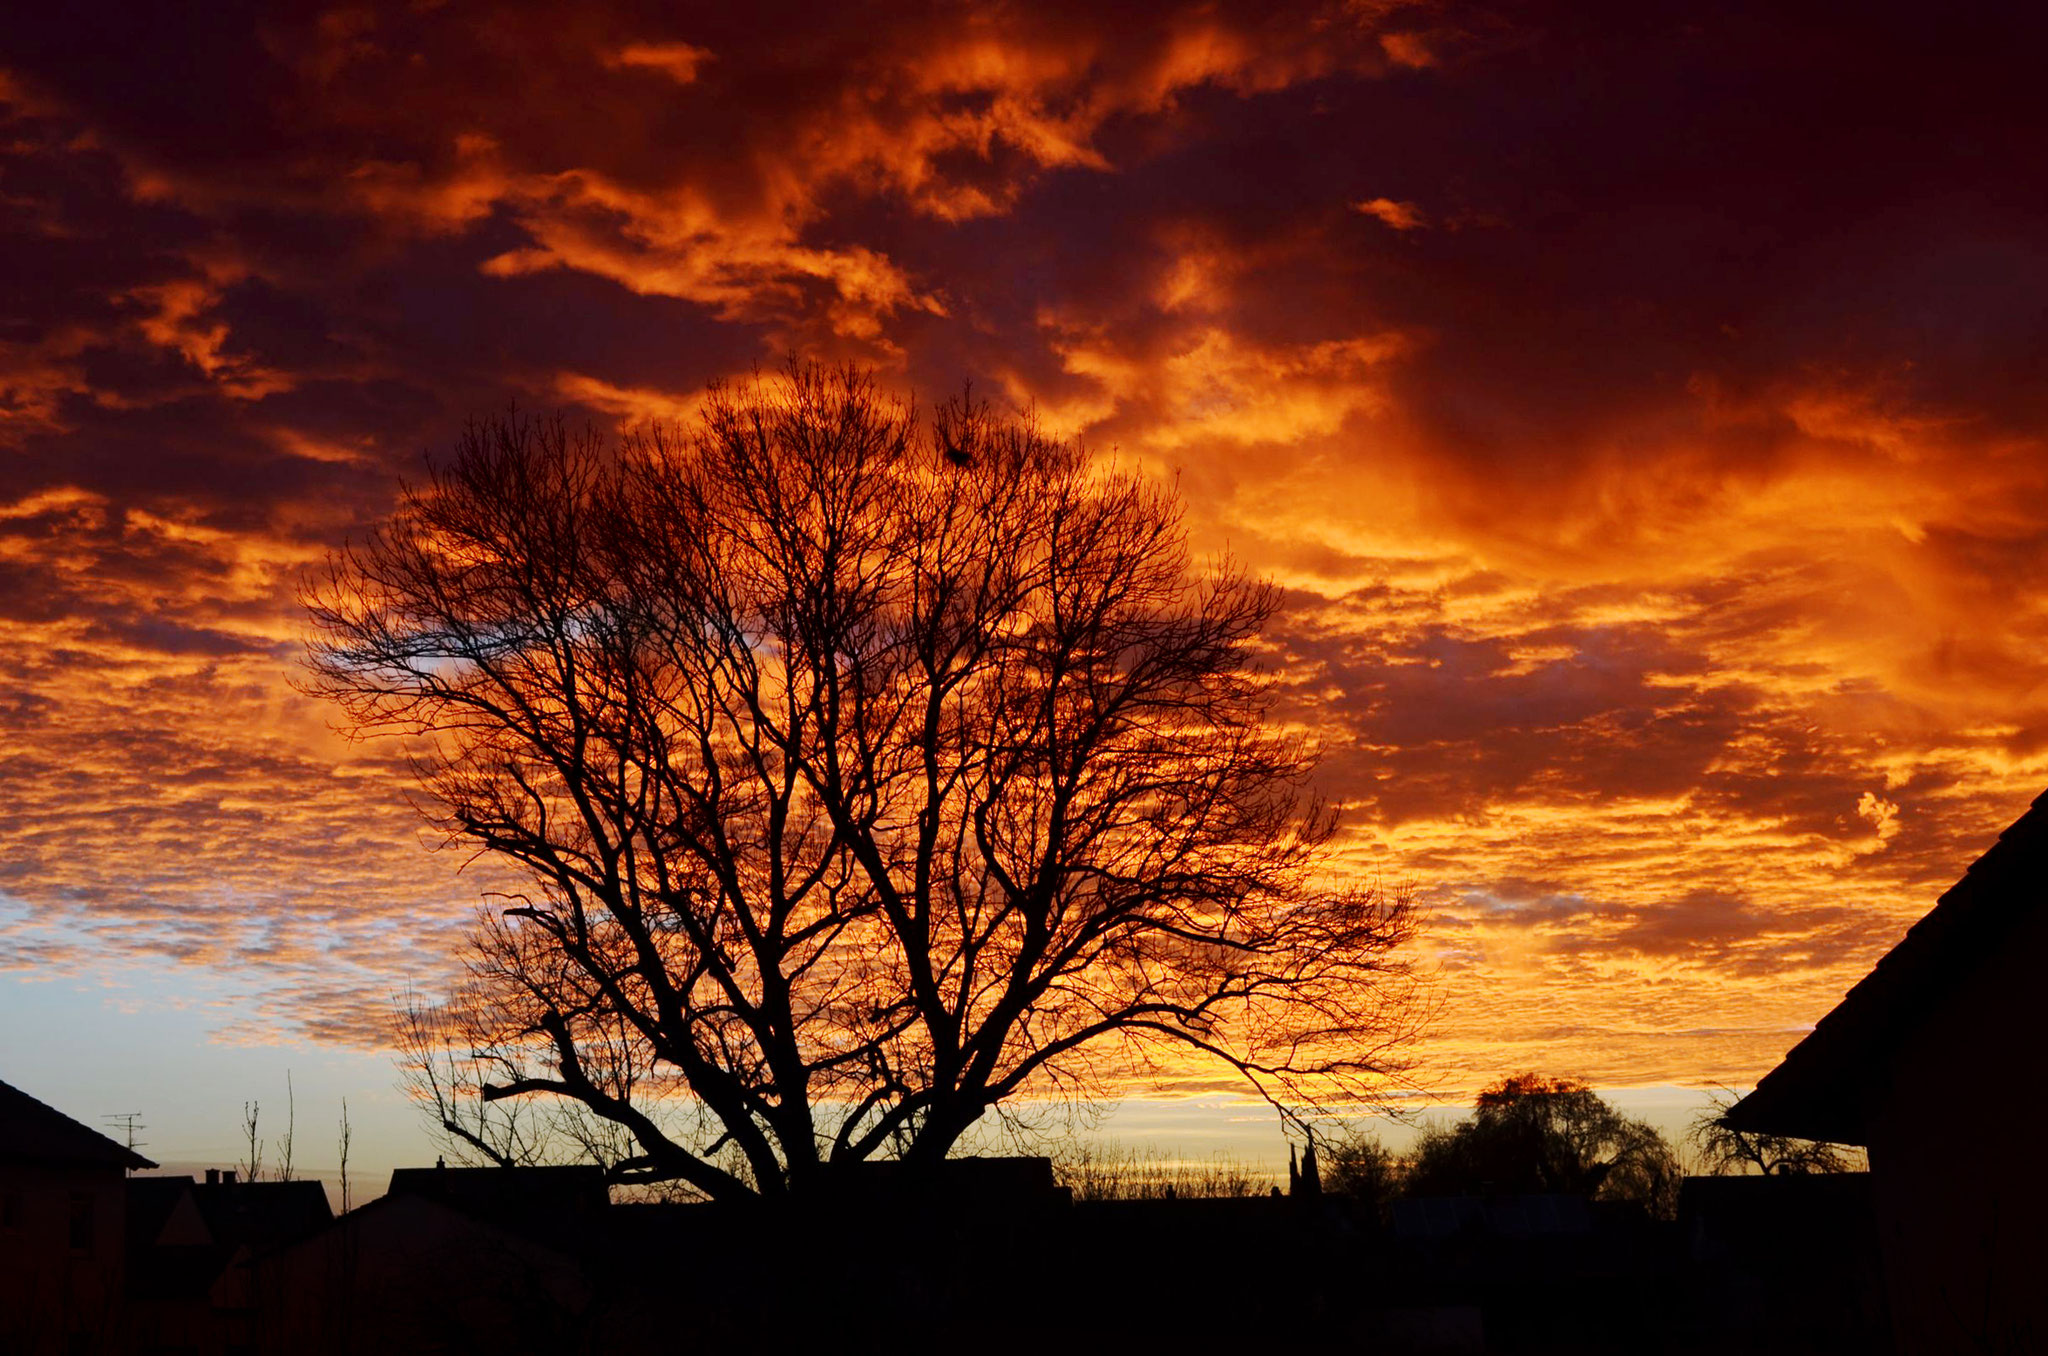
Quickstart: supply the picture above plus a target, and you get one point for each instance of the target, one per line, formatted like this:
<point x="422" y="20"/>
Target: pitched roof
<point x="151" y="1203"/>
<point x="31" y="1130"/>
<point x="218" y="1222"/>
<point x="262" y="1215"/>
<point x="1820" y="1089"/>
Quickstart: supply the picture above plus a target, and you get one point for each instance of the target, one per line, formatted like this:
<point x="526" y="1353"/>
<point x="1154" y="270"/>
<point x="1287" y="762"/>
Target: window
<point x="81" y="1221"/>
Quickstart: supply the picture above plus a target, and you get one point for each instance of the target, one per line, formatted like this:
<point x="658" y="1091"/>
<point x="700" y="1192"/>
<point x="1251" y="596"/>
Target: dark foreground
<point x="996" y="1259"/>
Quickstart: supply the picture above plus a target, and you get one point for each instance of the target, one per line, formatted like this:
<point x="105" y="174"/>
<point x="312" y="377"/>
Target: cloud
<point x="180" y="318"/>
<point x="676" y="60"/>
<point x="1407" y="49"/>
<point x="1641" y="418"/>
<point x="1883" y="816"/>
<point x="1400" y="216"/>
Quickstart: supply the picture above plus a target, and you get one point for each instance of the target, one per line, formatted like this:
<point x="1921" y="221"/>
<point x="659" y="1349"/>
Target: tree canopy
<point x="867" y="772"/>
<point x="1532" y="1134"/>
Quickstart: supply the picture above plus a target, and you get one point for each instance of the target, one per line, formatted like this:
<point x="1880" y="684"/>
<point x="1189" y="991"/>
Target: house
<point x="191" y="1248"/>
<point x="1785" y="1262"/>
<point x="1935" y="1064"/>
<point x="539" y="1259"/>
<point x="448" y="1259"/>
<point x="61" y="1230"/>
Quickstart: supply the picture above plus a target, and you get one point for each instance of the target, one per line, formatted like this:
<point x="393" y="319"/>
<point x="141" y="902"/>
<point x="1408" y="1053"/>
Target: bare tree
<point x="445" y="1080"/>
<point x="1722" y="1149"/>
<point x="344" y="1134"/>
<point x="448" y="1077"/>
<point x="867" y="771"/>
<point x="253" y="1164"/>
<point x="284" y="1141"/>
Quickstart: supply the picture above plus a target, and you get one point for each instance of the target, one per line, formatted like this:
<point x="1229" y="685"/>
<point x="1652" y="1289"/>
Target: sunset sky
<point x="1642" y="406"/>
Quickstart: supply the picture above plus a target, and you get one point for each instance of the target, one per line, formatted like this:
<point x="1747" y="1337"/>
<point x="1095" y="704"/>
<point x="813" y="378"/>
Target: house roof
<point x="151" y="1203"/>
<point x="217" y="1223"/>
<point x="401" y="1219"/>
<point x="523" y="1198"/>
<point x="31" y="1130"/>
<point x="262" y="1215"/>
<point x="1821" y="1088"/>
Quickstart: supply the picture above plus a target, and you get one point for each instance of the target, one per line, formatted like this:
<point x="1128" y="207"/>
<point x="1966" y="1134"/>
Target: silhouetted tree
<point x="444" y="1074"/>
<point x="1722" y="1149"/>
<point x="1534" y="1134"/>
<point x="343" y="1135"/>
<point x="867" y="772"/>
<point x="1362" y="1170"/>
<point x="289" y="1138"/>
<point x="252" y="1166"/>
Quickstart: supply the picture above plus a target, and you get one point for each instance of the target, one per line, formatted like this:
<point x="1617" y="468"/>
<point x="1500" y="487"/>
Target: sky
<point x="1641" y="407"/>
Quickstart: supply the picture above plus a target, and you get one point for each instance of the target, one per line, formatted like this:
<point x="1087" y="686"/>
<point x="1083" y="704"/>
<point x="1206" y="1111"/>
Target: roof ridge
<point x="32" y="1128"/>
<point x="1922" y="965"/>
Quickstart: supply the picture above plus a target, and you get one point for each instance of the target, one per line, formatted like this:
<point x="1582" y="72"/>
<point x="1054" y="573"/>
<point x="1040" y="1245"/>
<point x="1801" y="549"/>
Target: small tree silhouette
<point x="1359" y="1168"/>
<point x="1722" y="1149"/>
<point x="252" y="1165"/>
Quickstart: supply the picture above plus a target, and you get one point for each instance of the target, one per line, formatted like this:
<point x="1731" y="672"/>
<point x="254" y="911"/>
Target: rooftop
<point x="1818" y="1090"/>
<point x="31" y="1130"/>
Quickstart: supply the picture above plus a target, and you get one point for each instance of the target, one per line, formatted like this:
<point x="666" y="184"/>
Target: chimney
<point x="213" y="1176"/>
<point x="227" y="1177"/>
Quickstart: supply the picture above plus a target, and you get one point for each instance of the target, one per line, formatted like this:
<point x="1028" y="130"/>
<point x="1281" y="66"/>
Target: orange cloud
<point x="1401" y="216"/>
<point x="1663" y="563"/>
<point x="179" y="320"/>
<point x="676" y="60"/>
<point x="1407" y="49"/>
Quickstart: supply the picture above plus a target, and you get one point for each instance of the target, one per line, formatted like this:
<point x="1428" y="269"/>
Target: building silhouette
<point x="62" y="1230"/>
<point x="1933" y="1063"/>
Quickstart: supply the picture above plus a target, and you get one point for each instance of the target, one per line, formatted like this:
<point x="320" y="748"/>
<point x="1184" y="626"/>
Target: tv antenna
<point x="127" y="1122"/>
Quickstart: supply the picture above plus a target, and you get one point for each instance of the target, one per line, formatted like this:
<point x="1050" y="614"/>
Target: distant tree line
<point x="1527" y="1135"/>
